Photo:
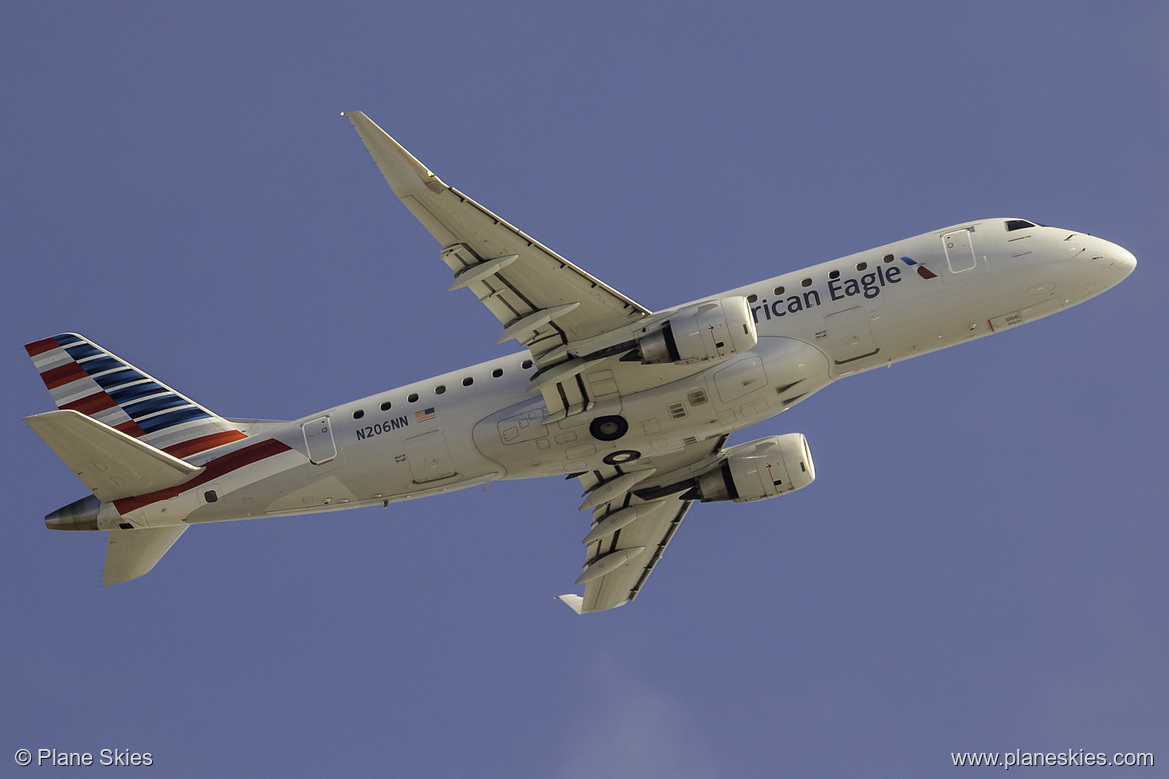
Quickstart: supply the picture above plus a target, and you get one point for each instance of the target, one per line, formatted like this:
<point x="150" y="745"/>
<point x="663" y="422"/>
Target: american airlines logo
<point x="922" y="270"/>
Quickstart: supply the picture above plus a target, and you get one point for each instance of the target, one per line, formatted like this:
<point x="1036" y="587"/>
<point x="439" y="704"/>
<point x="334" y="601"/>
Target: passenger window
<point x="441" y="388"/>
<point x="526" y="364"/>
<point x="358" y="414"/>
<point x="806" y="283"/>
<point x="777" y="291"/>
<point x="862" y="265"/>
<point x="386" y="406"/>
<point x="467" y="382"/>
<point x="834" y="274"/>
<point x="495" y="374"/>
<point x="413" y="397"/>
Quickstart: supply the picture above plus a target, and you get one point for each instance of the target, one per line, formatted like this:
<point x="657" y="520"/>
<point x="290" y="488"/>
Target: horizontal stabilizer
<point x="131" y="553"/>
<point x="109" y="462"/>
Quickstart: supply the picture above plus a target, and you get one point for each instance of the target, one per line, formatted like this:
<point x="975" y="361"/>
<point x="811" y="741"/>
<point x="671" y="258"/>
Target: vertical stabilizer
<point x="85" y="378"/>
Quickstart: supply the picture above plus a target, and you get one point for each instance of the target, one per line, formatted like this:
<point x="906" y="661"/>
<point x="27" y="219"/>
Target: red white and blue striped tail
<point x="86" y="378"/>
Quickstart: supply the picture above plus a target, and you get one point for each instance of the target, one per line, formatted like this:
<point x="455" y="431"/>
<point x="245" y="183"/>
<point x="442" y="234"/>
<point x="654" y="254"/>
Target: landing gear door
<point x="318" y="438"/>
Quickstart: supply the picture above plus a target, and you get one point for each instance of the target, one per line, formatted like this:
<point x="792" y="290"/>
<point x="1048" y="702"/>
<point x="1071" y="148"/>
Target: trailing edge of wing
<point x="109" y="462"/>
<point x="132" y="553"/>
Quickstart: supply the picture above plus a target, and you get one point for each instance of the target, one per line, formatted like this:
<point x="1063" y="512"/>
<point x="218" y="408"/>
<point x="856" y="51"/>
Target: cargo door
<point x="850" y="338"/>
<point x="429" y="458"/>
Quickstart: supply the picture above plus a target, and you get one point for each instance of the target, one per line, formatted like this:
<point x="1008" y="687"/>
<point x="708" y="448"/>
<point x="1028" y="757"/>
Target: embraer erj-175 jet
<point x="636" y="404"/>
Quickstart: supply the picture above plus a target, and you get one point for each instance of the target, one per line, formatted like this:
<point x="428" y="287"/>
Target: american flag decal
<point x="423" y="416"/>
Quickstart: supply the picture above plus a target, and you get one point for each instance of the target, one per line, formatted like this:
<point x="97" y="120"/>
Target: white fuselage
<point x="489" y="421"/>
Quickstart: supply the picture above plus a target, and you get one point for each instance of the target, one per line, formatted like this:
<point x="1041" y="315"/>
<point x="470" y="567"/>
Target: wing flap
<point x="635" y="516"/>
<point x="626" y="541"/>
<point x="132" y="553"/>
<point x="643" y="541"/>
<point x="109" y="462"/>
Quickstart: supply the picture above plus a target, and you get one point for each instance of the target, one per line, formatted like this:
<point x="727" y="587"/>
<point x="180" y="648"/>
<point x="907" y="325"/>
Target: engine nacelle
<point x="713" y="330"/>
<point x="758" y="470"/>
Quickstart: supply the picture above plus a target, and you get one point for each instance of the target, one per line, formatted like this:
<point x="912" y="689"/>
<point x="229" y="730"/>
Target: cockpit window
<point x="1019" y="224"/>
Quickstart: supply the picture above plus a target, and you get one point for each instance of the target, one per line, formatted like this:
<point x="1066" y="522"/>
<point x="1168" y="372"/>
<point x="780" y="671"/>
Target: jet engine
<point x="712" y="331"/>
<point x="757" y="470"/>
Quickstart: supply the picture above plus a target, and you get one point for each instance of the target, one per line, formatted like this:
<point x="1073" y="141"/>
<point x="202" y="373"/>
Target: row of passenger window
<point x="860" y="266"/>
<point x="441" y="389"/>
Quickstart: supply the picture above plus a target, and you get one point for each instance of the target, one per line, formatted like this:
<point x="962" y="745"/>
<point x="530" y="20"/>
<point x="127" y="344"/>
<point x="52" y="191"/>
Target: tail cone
<point x="78" y="515"/>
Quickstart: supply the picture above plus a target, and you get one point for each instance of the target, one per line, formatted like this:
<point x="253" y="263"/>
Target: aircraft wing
<point x="541" y="299"/>
<point x="619" y="564"/>
<point x="635" y="515"/>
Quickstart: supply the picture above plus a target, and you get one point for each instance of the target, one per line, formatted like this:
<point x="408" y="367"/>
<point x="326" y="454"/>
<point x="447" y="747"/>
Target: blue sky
<point x="978" y="567"/>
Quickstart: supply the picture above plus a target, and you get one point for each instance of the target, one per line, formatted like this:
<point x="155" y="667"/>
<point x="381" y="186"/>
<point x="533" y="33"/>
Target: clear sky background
<point x="980" y="565"/>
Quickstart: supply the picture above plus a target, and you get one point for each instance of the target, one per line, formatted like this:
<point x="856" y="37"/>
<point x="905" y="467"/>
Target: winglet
<point x="404" y="173"/>
<point x="574" y="602"/>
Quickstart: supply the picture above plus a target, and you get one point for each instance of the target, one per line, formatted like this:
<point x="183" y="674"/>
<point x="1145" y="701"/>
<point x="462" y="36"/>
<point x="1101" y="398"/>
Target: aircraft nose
<point x="1125" y="260"/>
<point x="1116" y="261"/>
<point x="1120" y="261"/>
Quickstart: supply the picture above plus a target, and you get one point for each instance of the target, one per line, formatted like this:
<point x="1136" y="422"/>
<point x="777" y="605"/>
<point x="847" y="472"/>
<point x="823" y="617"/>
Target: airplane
<point x="638" y="405"/>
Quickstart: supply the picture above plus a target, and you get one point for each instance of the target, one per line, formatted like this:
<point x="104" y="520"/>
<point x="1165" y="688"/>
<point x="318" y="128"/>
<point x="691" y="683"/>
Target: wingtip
<point x="404" y="173"/>
<point x="573" y="601"/>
